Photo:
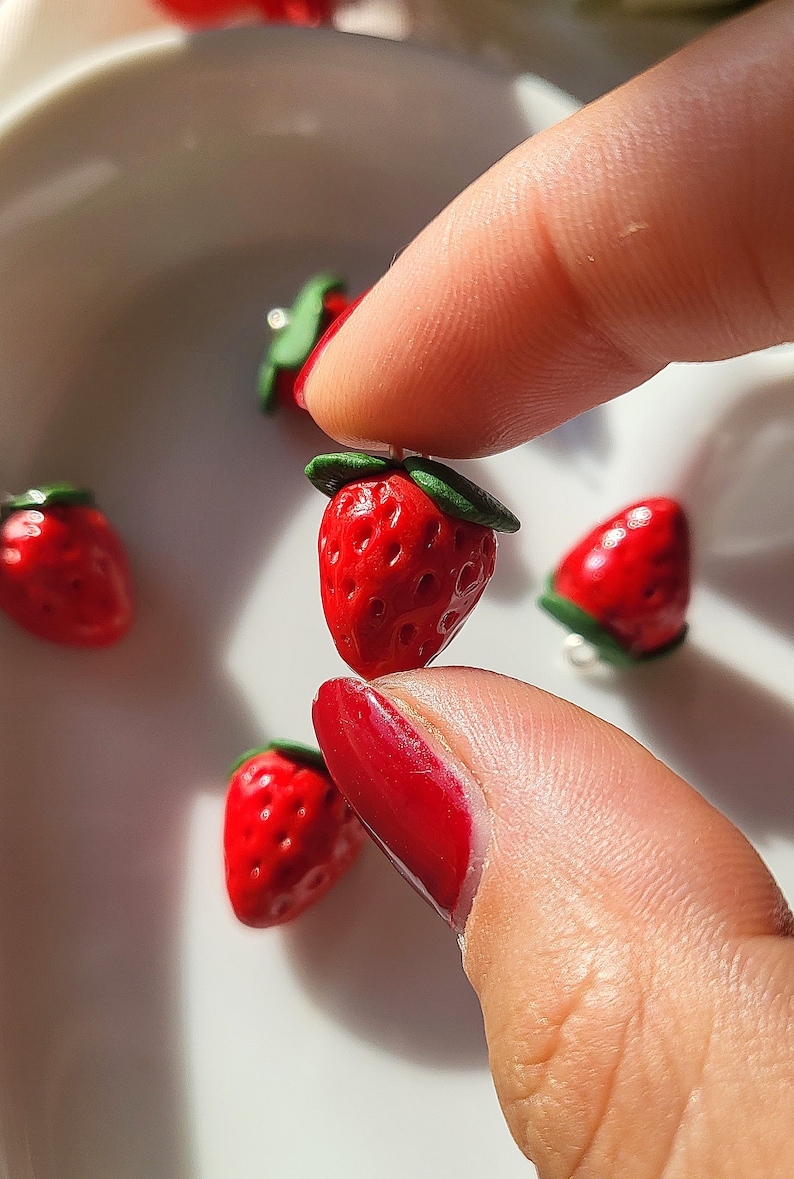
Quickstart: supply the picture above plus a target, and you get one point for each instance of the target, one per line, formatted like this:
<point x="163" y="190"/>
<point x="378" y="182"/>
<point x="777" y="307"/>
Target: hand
<point x="633" y="957"/>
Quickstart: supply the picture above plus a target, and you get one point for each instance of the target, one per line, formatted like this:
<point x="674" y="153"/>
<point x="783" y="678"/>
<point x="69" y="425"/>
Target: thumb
<point x="626" y="943"/>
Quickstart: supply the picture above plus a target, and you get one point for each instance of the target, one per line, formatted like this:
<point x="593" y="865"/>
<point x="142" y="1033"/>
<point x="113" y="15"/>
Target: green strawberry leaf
<point x="244" y="757"/>
<point x="579" y="622"/>
<point x="291" y="749"/>
<point x="299" y="752"/>
<point x="266" y="385"/>
<point x="456" y="495"/>
<point x="330" y="472"/>
<point x="47" y="496"/>
<point x="293" y="344"/>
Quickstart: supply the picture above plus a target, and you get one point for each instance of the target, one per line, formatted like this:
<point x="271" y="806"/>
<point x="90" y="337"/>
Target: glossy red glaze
<point x="632" y="575"/>
<point x="412" y="803"/>
<point x="202" y="12"/>
<point x="205" y="13"/>
<point x="398" y="577"/>
<point x="288" y="837"/>
<point x="64" y="575"/>
<point x="337" y="322"/>
<point x="297" y="12"/>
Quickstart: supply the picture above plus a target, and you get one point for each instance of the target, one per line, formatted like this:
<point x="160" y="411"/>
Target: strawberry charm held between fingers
<point x="625" y="587"/>
<point x="64" y="573"/>
<point x="288" y="833"/>
<point x="406" y="550"/>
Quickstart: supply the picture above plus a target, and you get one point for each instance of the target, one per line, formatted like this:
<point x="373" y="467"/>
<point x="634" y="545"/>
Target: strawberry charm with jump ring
<point x="623" y="591"/>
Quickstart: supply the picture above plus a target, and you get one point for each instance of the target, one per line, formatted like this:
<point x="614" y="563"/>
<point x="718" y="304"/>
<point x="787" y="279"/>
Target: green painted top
<point x="49" y="495"/>
<point x="292" y="749"/>
<point x="293" y="344"/>
<point x="452" y="492"/>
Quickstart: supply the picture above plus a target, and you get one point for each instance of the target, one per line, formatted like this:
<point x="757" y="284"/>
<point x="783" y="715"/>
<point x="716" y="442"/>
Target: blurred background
<point x="584" y="46"/>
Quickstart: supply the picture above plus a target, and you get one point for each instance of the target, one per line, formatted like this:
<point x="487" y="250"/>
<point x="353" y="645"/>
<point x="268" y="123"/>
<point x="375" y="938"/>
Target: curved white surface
<point x="151" y="210"/>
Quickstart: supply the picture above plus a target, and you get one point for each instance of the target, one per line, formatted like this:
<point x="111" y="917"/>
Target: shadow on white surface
<point x="742" y="491"/>
<point x="110" y="747"/>
<point x="374" y="956"/>
<point x="729" y="737"/>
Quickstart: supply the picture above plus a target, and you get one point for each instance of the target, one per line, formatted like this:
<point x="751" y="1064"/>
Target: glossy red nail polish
<point x="320" y="347"/>
<point x="419" y="806"/>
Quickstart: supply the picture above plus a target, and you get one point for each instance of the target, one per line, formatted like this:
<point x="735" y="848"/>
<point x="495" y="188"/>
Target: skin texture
<point x="654" y="225"/>
<point x="633" y="957"/>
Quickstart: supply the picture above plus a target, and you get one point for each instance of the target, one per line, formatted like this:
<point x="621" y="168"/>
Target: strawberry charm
<point x="288" y="833"/>
<point x="64" y="574"/>
<point x="296" y="332"/>
<point x="209" y="13"/>
<point x="625" y="588"/>
<point x="406" y="550"/>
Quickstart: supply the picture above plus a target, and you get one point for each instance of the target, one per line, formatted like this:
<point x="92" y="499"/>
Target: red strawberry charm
<point x="625" y="587"/>
<point x="64" y="574"/>
<point x="288" y="833"/>
<point x="208" y="13"/>
<point x="406" y="550"/>
<point x="296" y="332"/>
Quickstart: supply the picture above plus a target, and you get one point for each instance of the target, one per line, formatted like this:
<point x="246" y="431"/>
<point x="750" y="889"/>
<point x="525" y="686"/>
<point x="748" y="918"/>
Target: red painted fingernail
<point x="320" y="347"/>
<point x="417" y="803"/>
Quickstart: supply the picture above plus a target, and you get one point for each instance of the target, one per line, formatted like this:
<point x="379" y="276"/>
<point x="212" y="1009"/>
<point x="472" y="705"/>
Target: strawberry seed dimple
<point x="391" y="510"/>
<point x="431" y="532"/>
<point x="407" y="633"/>
<point x="348" y="588"/>
<point x="376" y="608"/>
<point x="449" y="620"/>
<point x="333" y="554"/>
<point x="315" y="881"/>
<point x="362" y="538"/>
<point x="460" y="537"/>
<point x="393" y="552"/>
<point x="330" y="796"/>
<point x="466" y="578"/>
<point x="426" y="585"/>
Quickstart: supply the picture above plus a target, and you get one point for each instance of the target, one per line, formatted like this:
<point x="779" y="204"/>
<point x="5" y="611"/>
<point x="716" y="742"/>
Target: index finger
<point x="654" y="225"/>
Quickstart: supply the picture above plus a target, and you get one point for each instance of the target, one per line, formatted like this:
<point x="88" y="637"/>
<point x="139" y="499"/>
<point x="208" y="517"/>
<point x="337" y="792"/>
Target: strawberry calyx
<point x="330" y="472"/>
<point x="293" y="344"/>
<point x="456" y="495"/>
<point x="579" y="622"/>
<point x="294" y="750"/>
<point x="47" y="496"/>
<point x="450" y="491"/>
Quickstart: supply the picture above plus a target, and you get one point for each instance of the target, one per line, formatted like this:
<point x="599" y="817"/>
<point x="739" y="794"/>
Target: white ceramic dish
<point x="152" y="206"/>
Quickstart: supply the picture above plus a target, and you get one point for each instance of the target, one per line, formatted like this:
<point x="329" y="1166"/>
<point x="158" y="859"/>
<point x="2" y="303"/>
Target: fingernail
<point x="414" y="797"/>
<point x="319" y="349"/>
